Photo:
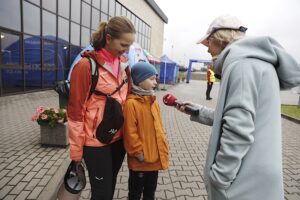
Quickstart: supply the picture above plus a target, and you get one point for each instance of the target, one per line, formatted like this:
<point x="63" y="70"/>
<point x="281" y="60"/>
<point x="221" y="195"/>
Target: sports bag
<point x="113" y="118"/>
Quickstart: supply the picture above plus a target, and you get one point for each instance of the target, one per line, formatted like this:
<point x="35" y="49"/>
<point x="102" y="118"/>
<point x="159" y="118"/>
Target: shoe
<point x="209" y="98"/>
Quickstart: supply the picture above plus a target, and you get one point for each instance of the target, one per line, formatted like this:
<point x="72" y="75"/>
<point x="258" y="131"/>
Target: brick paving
<point x="30" y="171"/>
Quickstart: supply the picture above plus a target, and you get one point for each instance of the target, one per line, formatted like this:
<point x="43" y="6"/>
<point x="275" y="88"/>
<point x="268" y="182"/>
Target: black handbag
<point x="113" y="118"/>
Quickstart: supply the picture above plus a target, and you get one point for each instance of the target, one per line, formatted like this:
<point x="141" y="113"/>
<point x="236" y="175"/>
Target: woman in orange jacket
<point x="144" y="136"/>
<point x="85" y="112"/>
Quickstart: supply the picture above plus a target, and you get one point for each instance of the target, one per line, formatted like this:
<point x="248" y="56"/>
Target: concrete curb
<point x="50" y="191"/>
<point x="297" y="121"/>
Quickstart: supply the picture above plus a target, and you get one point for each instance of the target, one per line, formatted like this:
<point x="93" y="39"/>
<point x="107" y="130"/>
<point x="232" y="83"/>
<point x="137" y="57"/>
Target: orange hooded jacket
<point x="144" y="133"/>
<point x="85" y="114"/>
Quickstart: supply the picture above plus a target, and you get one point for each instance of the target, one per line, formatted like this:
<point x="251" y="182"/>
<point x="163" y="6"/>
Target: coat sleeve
<point x="237" y="125"/>
<point x="205" y="116"/>
<point x="132" y="140"/>
<point x="80" y="84"/>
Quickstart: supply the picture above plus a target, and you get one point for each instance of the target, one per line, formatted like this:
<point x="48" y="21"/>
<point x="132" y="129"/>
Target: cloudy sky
<point x="189" y="20"/>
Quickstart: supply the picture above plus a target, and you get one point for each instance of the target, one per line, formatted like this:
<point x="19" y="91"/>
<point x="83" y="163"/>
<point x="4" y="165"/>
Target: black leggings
<point x="103" y="165"/>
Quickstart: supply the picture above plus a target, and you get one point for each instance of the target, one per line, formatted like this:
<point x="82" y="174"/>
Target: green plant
<point x="50" y="116"/>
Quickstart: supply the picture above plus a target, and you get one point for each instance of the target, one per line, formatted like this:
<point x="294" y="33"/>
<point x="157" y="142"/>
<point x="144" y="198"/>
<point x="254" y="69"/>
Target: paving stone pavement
<point x="29" y="171"/>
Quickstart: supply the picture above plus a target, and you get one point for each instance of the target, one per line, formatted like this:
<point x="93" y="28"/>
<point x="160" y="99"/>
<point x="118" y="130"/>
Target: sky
<point x="188" y="21"/>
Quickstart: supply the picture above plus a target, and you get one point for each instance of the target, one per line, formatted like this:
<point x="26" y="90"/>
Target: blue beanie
<point x="141" y="71"/>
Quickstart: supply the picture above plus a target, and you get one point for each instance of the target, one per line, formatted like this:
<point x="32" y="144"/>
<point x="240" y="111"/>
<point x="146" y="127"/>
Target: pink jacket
<point x="84" y="115"/>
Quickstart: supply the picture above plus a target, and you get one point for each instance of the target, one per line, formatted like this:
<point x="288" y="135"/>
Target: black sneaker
<point x="209" y="98"/>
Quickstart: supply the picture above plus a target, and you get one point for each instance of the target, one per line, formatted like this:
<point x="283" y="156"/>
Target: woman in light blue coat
<point x="244" y="157"/>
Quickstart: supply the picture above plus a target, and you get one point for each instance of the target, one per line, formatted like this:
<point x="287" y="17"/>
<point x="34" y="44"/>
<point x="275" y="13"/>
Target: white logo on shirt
<point x="112" y="131"/>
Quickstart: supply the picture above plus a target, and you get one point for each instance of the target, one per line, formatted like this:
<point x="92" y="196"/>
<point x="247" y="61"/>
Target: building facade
<point x="40" y="38"/>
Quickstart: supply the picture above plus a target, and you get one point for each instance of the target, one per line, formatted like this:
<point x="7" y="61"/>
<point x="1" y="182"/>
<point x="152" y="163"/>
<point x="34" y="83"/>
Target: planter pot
<point x="54" y="136"/>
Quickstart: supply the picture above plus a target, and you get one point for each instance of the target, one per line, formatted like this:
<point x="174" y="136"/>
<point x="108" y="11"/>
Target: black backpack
<point x="63" y="87"/>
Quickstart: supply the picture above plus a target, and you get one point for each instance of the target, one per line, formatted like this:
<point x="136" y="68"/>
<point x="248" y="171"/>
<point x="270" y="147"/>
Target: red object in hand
<point x="169" y="100"/>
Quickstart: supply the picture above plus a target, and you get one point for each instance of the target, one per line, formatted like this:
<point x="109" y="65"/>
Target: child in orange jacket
<point x="144" y="136"/>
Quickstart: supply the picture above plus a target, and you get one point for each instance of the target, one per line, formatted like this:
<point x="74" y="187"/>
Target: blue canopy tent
<point x="32" y="62"/>
<point x="77" y="58"/>
<point x="168" y="70"/>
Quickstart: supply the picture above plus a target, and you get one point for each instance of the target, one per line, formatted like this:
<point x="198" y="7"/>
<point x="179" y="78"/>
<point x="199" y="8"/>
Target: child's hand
<point x="140" y="157"/>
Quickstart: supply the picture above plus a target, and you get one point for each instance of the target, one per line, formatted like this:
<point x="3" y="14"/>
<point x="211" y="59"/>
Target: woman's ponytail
<point x="98" y="38"/>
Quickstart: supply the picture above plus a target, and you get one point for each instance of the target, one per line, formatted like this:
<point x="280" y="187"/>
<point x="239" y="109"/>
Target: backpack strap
<point x="94" y="66"/>
<point x="99" y="93"/>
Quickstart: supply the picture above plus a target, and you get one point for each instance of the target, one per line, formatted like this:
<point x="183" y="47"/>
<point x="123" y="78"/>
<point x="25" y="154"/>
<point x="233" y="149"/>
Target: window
<point x="112" y="5"/>
<point x="75" y="11"/>
<point x="136" y="24"/>
<point x="63" y="29"/>
<point x="96" y="4"/>
<point x="133" y="21"/>
<point x="49" y="5"/>
<point x="104" y="17"/>
<point x="49" y="64"/>
<point x="85" y="37"/>
<point x="49" y="25"/>
<point x="62" y="61"/>
<point x="32" y="62"/>
<point x="64" y="8"/>
<point x="95" y="18"/>
<point x="129" y="14"/>
<point x="31" y="18"/>
<point x="11" y="70"/>
<point x="123" y="11"/>
<point x="88" y="1"/>
<point x="10" y="49"/>
<point x="75" y="34"/>
<point x="104" y="6"/>
<point x="86" y="15"/>
<point x="8" y="18"/>
<point x="37" y="2"/>
<point x="118" y="9"/>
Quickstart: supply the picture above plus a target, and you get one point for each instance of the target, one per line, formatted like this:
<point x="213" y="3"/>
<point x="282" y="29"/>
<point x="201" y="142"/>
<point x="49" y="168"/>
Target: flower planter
<point x="56" y="136"/>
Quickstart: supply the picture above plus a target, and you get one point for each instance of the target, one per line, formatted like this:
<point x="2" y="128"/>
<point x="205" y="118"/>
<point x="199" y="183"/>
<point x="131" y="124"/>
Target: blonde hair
<point x="115" y="27"/>
<point x="225" y="36"/>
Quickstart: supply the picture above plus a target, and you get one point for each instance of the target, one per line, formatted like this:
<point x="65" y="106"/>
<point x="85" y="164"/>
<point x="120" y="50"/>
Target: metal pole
<point x="165" y="72"/>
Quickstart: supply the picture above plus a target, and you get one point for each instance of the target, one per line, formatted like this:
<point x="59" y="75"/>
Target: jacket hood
<point x="265" y="49"/>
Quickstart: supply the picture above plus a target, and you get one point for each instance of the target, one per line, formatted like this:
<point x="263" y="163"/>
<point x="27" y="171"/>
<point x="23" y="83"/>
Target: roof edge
<point x="157" y="10"/>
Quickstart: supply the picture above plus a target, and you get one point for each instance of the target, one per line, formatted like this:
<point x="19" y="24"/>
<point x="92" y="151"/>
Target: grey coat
<point x="244" y="160"/>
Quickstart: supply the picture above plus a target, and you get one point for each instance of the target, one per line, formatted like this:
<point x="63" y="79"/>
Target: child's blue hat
<point x="141" y="71"/>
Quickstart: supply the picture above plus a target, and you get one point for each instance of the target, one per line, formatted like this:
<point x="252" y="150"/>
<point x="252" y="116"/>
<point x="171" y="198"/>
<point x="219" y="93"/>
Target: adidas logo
<point x="112" y="131"/>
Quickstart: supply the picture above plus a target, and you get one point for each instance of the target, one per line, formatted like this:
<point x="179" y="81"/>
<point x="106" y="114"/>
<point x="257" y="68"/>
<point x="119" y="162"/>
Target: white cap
<point x="222" y="22"/>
